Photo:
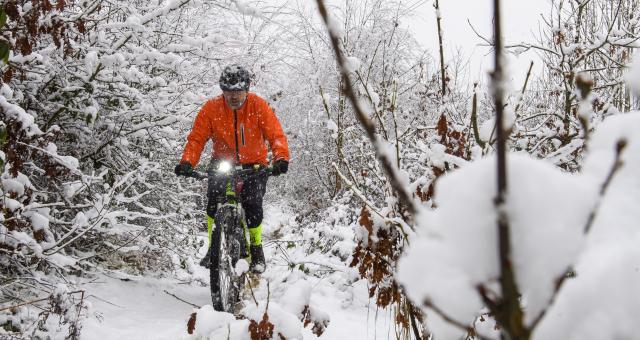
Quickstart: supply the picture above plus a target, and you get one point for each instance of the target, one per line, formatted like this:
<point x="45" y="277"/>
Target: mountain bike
<point x="229" y="244"/>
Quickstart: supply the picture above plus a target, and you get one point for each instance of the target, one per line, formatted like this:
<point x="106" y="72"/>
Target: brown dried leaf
<point x="402" y="319"/>
<point x="397" y="296"/>
<point x="38" y="235"/>
<point x="424" y="196"/>
<point x="262" y="330"/>
<point x="368" y="261"/>
<point x="191" y="324"/>
<point x="24" y="45"/>
<point x="357" y="253"/>
<point x="7" y="75"/>
<point x="442" y="127"/>
<point x="11" y="8"/>
<point x="80" y="25"/>
<point x="384" y="297"/>
<point x="365" y="220"/>
<point x="318" y="326"/>
<point x="46" y="6"/>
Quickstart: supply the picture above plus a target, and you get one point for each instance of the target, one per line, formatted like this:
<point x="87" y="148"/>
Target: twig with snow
<point x="268" y="296"/>
<point x="527" y="47"/>
<point x="373" y="105"/>
<point x="182" y="300"/>
<point x="114" y="249"/>
<point x="357" y="191"/>
<point x="467" y="328"/>
<point x="584" y="83"/>
<point x="105" y="301"/>
<point x="559" y="282"/>
<point x="62" y="160"/>
<point x="397" y="221"/>
<point x="251" y="290"/>
<point x="474" y="118"/>
<point x="37" y="300"/>
<point x="524" y="88"/>
<point x="394" y="98"/>
<point x="329" y="268"/>
<point x="325" y="185"/>
<point x="617" y="164"/>
<point x="507" y="309"/>
<point x="285" y="255"/>
<point x="79" y="311"/>
<point x="443" y="77"/>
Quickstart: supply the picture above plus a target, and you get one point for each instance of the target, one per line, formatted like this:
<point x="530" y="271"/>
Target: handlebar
<point x="238" y="172"/>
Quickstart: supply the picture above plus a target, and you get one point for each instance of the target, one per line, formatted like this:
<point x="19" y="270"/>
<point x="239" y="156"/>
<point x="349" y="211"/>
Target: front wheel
<point x="225" y="284"/>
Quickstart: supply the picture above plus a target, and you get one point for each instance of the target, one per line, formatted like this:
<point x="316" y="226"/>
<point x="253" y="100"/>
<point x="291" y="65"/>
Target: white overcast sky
<point x="520" y="20"/>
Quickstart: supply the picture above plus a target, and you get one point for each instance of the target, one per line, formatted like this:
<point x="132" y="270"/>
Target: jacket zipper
<point x="242" y="135"/>
<point x="235" y="126"/>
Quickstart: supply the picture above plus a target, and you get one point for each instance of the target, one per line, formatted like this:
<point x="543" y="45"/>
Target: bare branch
<point x="559" y="282"/>
<point x="474" y="118"/>
<point x="182" y="300"/>
<point x="436" y="5"/>
<point x="524" y="88"/>
<point x="464" y="327"/>
<point x="508" y="312"/>
<point x="37" y="300"/>
<point x="532" y="46"/>
<point x="373" y="105"/>
<point x="486" y="40"/>
<point x="617" y="164"/>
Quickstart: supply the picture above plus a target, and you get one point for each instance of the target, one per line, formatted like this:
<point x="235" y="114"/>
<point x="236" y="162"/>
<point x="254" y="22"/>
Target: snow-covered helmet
<point x="235" y="78"/>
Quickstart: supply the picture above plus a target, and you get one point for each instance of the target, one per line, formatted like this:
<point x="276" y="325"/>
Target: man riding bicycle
<point x="238" y="122"/>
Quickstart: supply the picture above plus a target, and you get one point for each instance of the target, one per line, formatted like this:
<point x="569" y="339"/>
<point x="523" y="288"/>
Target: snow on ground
<point x="141" y="308"/>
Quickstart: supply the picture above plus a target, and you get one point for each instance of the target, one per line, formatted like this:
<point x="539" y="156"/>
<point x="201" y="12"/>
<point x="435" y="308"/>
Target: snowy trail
<point x="139" y="308"/>
<point x="142" y="310"/>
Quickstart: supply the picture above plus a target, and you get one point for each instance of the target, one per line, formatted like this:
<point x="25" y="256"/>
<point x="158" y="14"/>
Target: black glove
<point x="184" y="169"/>
<point x="280" y="167"/>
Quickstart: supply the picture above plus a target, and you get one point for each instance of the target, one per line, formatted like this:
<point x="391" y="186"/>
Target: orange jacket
<point x="247" y="128"/>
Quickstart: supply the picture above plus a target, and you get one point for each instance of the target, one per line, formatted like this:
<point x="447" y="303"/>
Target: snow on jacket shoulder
<point x="248" y="128"/>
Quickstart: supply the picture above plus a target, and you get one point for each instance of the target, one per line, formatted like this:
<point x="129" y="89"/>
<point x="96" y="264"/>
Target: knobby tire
<point x="225" y="285"/>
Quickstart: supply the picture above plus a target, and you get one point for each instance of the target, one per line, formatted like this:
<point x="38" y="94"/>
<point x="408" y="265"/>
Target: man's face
<point x="235" y="99"/>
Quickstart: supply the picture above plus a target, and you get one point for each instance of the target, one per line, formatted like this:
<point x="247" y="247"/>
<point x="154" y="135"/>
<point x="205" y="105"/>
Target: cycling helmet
<point x="235" y="78"/>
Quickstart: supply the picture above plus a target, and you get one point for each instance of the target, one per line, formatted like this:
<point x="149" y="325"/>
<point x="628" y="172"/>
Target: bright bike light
<point x="224" y="167"/>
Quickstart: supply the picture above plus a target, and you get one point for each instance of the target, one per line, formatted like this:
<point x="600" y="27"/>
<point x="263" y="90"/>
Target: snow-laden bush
<point x="453" y="265"/>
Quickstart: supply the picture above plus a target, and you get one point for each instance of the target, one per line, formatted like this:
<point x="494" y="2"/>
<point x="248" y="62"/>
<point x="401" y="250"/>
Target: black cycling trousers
<point x="251" y="197"/>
